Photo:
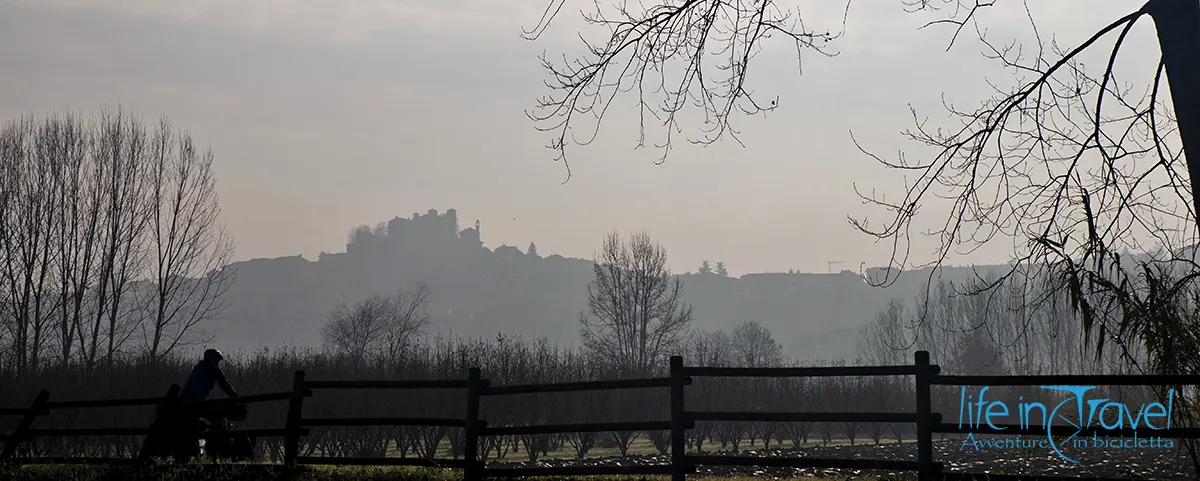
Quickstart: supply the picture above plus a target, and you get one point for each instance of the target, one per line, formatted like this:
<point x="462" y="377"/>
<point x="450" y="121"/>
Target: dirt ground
<point x="1159" y="463"/>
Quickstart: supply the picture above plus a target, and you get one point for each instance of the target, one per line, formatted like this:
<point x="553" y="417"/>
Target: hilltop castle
<point x="428" y="230"/>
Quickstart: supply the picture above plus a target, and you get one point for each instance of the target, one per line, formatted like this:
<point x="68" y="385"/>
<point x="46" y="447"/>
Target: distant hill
<point x="476" y="291"/>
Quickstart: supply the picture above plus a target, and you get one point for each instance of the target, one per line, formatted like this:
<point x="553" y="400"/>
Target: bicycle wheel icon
<point x="1067" y="420"/>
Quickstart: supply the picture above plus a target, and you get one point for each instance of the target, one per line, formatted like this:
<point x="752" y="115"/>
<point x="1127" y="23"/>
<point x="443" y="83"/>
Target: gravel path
<point x="1098" y="462"/>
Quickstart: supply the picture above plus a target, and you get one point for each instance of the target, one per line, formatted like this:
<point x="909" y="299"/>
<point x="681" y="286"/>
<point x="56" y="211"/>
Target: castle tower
<point x="452" y="223"/>
<point x="470" y="236"/>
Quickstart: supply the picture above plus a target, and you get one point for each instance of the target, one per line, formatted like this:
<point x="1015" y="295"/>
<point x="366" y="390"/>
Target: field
<point x="1111" y="463"/>
<point x="642" y="447"/>
<point x="1105" y="463"/>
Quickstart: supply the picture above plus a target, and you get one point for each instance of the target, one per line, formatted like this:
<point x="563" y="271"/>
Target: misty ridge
<point x="477" y="292"/>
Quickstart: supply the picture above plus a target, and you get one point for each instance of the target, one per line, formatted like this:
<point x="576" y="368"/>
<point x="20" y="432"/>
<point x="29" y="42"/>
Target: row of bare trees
<point x="988" y="326"/>
<point x="109" y="240"/>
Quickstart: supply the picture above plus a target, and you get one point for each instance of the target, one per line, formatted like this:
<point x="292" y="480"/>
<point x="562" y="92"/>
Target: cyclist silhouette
<point x="205" y="375"/>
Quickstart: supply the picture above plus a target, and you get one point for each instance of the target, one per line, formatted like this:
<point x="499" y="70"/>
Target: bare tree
<point x="410" y="318"/>
<point x="28" y="232"/>
<point x="8" y="173"/>
<point x="189" y="250"/>
<point x="636" y="314"/>
<point x="78" y="219"/>
<point x="883" y="341"/>
<point x="110" y="236"/>
<point x="707" y="348"/>
<point x="126" y="185"/>
<point x="377" y="326"/>
<point x="754" y="346"/>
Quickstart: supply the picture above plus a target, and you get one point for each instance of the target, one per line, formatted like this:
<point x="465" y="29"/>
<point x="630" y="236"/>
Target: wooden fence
<point x="680" y="420"/>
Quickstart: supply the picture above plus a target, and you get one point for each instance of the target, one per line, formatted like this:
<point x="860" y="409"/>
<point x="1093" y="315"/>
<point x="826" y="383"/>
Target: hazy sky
<point x="326" y="114"/>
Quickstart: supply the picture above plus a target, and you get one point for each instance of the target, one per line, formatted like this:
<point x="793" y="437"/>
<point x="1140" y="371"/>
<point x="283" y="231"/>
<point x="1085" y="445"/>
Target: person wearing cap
<point x="205" y="376"/>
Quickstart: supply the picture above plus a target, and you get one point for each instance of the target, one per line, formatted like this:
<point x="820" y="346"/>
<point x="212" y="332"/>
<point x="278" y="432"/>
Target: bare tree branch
<point x="675" y="54"/>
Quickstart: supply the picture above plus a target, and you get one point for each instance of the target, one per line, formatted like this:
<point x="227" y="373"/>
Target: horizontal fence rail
<point x="834" y="417"/>
<point x="579" y="471"/>
<point x="577" y="428"/>
<point x="341" y="422"/>
<point x="578" y="386"/>
<point x="680" y="420"/>
<point x="75" y="460"/>
<point x="102" y="403"/>
<point x="1069" y="380"/>
<point x="429" y="384"/>
<point x="719" y="460"/>
<point x="832" y="371"/>
<point x="253" y="398"/>
<point x="22" y="411"/>
<point x="356" y="461"/>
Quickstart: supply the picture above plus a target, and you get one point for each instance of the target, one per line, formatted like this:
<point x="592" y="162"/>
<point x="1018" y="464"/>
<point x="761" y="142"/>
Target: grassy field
<point x="642" y="446"/>
<point x="230" y="472"/>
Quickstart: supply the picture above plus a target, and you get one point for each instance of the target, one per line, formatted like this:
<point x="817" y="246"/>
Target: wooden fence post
<point x="160" y="426"/>
<point x="472" y="471"/>
<point x="925" y="466"/>
<point x="291" y="441"/>
<point x="678" y="433"/>
<point x="35" y="410"/>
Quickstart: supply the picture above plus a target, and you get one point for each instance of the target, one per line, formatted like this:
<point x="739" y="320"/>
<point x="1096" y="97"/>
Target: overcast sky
<point x="326" y="114"/>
